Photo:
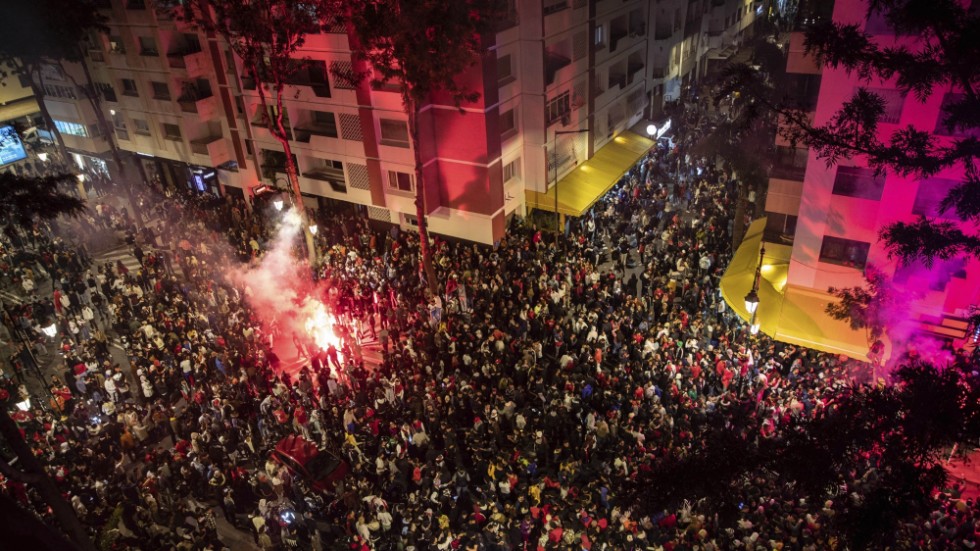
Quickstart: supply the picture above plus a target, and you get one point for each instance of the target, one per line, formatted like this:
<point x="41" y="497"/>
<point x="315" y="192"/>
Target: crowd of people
<point x="511" y="409"/>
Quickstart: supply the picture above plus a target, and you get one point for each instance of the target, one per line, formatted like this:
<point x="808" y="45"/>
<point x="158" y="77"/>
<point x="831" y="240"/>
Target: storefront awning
<point x="582" y="187"/>
<point x="787" y="313"/>
<point x="18" y="108"/>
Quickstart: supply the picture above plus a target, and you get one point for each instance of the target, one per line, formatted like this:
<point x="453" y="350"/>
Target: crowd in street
<point x="510" y="410"/>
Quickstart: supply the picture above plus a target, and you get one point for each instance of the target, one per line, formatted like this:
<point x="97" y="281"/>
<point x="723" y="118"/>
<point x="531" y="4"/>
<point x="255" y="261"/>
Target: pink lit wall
<point x="945" y="288"/>
<point x="461" y="148"/>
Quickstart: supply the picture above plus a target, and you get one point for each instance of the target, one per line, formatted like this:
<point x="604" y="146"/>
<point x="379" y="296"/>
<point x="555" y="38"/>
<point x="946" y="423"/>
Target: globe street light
<point x="751" y="301"/>
<point x="652" y="130"/>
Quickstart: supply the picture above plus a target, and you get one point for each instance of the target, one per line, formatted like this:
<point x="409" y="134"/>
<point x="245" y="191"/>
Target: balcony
<point x="305" y="134"/>
<point x="554" y="6"/>
<point x="553" y="62"/>
<point x="215" y="148"/>
<point x="617" y="79"/>
<point x="194" y="62"/>
<point x="634" y="67"/>
<point x="617" y="31"/>
<point x="204" y="108"/>
<point x="334" y="177"/>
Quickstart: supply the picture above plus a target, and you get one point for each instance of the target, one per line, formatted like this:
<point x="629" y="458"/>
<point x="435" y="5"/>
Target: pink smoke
<point x="283" y="295"/>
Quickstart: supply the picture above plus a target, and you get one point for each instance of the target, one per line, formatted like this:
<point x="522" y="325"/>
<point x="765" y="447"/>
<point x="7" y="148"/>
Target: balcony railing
<point x="200" y="145"/>
<point x="303" y="134"/>
<point x="553" y="63"/>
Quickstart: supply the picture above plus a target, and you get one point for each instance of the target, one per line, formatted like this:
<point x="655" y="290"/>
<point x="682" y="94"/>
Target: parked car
<point x="320" y="468"/>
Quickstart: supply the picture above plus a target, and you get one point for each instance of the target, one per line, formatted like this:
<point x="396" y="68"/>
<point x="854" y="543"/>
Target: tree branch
<point x="16" y="474"/>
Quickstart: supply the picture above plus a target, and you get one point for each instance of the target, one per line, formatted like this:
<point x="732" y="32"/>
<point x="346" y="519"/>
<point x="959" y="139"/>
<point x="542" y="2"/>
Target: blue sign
<point x="11" y="148"/>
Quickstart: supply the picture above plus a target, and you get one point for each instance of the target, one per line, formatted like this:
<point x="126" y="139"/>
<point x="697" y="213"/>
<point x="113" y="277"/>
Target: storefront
<point x="177" y="175"/>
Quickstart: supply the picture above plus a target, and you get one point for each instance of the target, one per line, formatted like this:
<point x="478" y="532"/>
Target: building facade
<point x="565" y="84"/>
<point x="823" y="222"/>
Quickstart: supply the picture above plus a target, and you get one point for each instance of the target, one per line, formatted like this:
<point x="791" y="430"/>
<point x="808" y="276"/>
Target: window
<point x="394" y="133"/>
<point x="401" y="181"/>
<point x="106" y="91"/>
<point x="129" y="87"/>
<point x="119" y="124"/>
<point x="554" y="6"/>
<point x="844" y="252"/>
<point x="512" y="170"/>
<point x="135" y="4"/>
<point x="148" y="46"/>
<point x="330" y="171"/>
<point x="894" y="100"/>
<point x="116" y="45"/>
<point x="789" y="163"/>
<point x="171" y="131"/>
<point x="558" y="108"/>
<point x="600" y="37"/>
<point x="71" y="128"/>
<point x="58" y="91"/>
<point x="325" y="123"/>
<point x="160" y="90"/>
<point x="508" y="124"/>
<point x="505" y="73"/>
<point x="930" y="195"/>
<point x="141" y="126"/>
<point x="780" y="228"/>
<point x="955" y="102"/>
<point x="862" y="183"/>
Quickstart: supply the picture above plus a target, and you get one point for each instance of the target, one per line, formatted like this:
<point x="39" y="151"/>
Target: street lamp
<point x="751" y="301"/>
<point x="555" y="170"/>
<point x="313" y="229"/>
<point x="43" y="157"/>
<point x="652" y="130"/>
<point x="278" y="204"/>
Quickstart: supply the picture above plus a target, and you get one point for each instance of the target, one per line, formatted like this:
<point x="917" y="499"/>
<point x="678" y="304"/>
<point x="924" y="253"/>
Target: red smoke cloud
<point x="280" y="290"/>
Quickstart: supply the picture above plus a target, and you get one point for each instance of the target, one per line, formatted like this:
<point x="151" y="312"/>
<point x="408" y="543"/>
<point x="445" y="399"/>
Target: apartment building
<point x="567" y="81"/>
<point x="16" y="98"/>
<point x="822" y="222"/>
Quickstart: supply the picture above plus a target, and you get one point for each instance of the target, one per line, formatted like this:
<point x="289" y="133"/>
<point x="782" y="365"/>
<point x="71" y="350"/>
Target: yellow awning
<point x="18" y="108"/>
<point x="582" y="187"/>
<point x="787" y="313"/>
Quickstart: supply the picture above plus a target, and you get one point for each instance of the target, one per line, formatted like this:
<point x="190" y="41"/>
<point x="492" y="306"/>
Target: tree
<point x="267" y="36"/>
<point x="49" y="33"/>
<point x="26" y="199"/>
<point x="887" y="444"/>
<point x="871" y="308"/>
<point x="941" y="57"/>
<point x="31" y="472"/>
<point x="744" y="138"/>
<point x="421" y="46"/>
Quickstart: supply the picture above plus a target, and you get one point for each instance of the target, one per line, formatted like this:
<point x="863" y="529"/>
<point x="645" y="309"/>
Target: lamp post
<point x="554" y="166"/>
<point x="752" y="299"/>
